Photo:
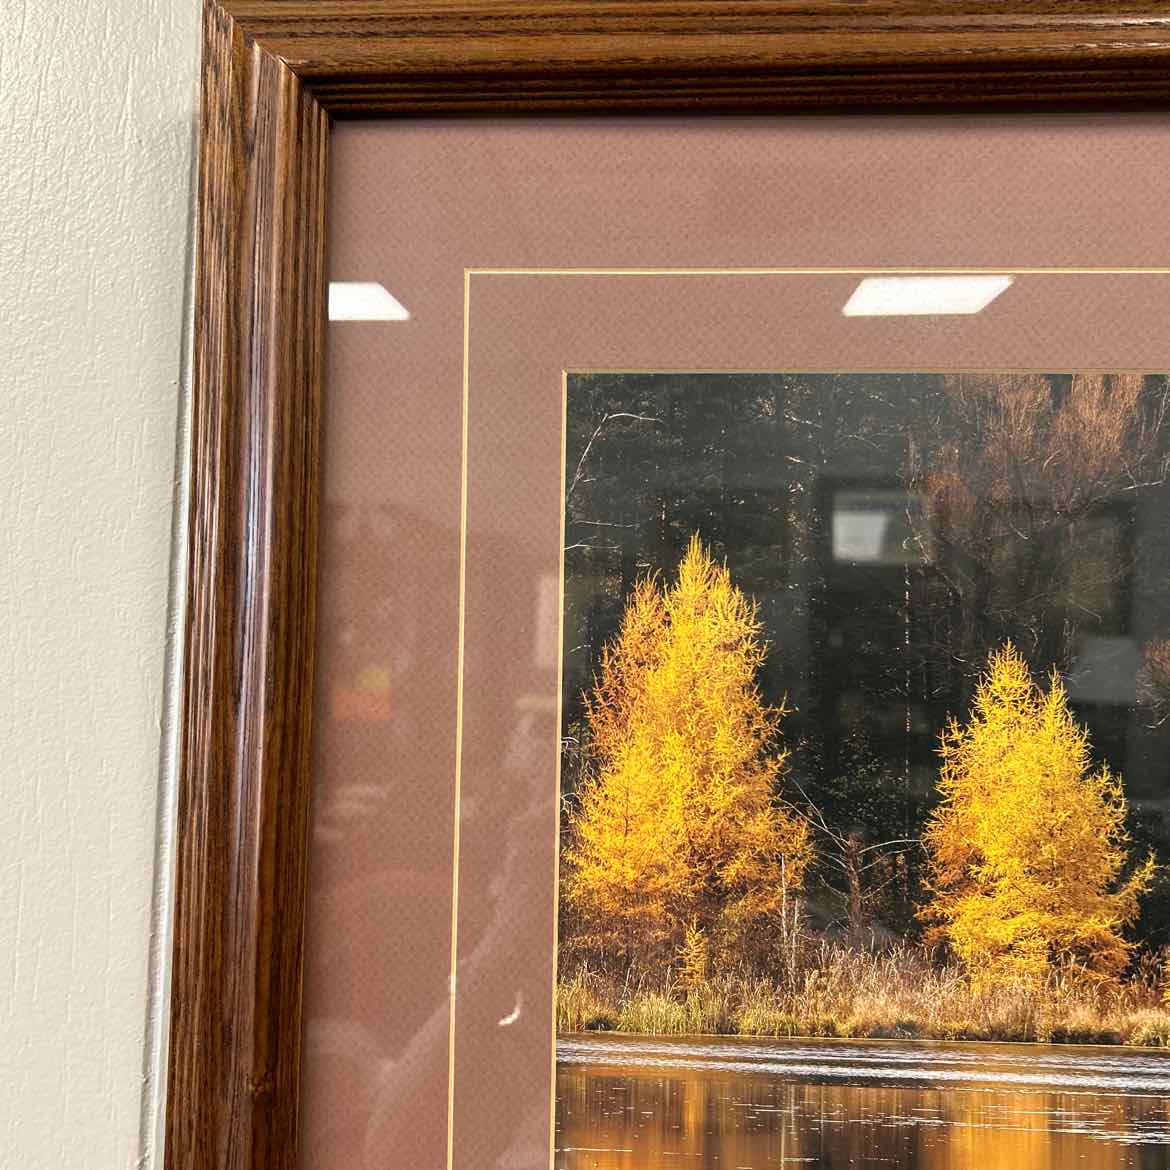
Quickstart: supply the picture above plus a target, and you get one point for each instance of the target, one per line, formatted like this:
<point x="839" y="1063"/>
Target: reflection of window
<point x="874" y="528"/>
<point x="1096" y="576"/>
<point x="1104" y="670"/>
<point x="364" y="695"/>
<point x="1055" y="569"/>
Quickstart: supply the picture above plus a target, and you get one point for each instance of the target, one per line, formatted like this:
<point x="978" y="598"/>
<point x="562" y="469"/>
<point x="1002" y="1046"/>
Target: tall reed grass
<point x="839" y="991"/>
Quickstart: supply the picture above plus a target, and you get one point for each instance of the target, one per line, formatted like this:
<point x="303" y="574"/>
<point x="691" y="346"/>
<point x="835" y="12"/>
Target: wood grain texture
<point x="243" y="802"/>
<point x="462" y="56"/>
<point x="273" y="71"/>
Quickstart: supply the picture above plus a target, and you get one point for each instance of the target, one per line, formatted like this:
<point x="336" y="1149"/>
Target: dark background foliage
<point x="893" y="528"/>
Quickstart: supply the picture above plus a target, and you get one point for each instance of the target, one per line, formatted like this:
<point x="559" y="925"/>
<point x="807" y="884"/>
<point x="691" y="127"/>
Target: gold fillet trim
<point x="468" y="273"/>
<point x="1004" y="270"/>
<point x="458" y="730"/>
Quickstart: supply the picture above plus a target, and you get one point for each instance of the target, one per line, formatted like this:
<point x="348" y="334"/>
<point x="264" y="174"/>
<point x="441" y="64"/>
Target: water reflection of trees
<point x="612" y="1121"/>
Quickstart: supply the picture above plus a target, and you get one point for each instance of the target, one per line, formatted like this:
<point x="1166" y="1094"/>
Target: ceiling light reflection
<point x="920" y="296"/>
<point x="361" y="300"/>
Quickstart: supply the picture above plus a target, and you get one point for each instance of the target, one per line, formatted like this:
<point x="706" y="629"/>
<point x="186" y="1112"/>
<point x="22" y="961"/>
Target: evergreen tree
<point x="1028" y="845"/>
<point x="678" y="831"/>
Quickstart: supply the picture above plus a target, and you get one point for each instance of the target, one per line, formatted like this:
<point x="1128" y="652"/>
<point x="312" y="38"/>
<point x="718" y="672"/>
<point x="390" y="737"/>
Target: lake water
<point x="642" y="1103"/>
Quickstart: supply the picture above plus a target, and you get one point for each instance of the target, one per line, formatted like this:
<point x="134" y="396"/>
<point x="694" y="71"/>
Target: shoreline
<point x="1159" y="1050"/>
<point x="860" y="998"/>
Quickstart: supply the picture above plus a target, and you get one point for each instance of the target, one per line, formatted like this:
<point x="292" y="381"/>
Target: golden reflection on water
<point x="654" y="1118"/>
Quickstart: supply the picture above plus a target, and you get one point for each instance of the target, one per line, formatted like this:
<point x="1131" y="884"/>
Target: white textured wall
<point x="97" y="102"/>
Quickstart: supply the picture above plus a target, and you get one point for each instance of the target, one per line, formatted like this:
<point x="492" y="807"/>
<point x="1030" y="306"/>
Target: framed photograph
<point x="678" y="646"/>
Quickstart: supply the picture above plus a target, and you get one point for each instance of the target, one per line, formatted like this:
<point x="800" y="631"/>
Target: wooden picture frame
<point x="275" y="74"/>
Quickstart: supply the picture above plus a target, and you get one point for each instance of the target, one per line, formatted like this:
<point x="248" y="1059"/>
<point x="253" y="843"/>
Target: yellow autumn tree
<point x="678" y="834"/>
<point x="1028" y="847"/>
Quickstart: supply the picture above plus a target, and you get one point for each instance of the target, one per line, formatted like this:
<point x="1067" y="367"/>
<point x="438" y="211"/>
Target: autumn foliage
<point x="1028" y="848"/>
<point x="1014" y="490"/>
<point x="678" y="848"/>
<point x="682" y="863"/>
<point x="896" y="823"/>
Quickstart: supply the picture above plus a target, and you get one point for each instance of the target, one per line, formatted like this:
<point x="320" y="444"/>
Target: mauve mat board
<point x="413" y="205"/>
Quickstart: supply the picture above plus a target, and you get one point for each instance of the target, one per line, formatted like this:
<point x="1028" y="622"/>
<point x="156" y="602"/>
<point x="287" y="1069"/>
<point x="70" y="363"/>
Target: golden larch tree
<point x="678" y="832"/>
<point x="1028" y="847"/>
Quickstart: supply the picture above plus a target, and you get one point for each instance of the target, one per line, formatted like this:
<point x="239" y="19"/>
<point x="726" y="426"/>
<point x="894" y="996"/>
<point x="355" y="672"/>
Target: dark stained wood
<point x="460" y="56"/>
<point x="273" y="72"/>
<point x="243" y="804"/>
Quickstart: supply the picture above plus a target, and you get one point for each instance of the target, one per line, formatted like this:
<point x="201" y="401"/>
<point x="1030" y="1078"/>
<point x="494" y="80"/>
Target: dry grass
<point x="848" y="993"/>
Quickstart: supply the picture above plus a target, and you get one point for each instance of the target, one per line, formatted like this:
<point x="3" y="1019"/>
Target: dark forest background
<point x="894" y="528"/>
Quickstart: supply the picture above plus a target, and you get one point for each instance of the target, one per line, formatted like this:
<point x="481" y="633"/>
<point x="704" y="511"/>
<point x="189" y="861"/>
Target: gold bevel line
<point x="468" y="273"/>
<point x="552" y="1105"/>
<point x="799" y="370"/>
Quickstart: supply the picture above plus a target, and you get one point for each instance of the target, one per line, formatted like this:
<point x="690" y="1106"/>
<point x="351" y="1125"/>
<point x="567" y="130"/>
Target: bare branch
<point x="609" y="417"/>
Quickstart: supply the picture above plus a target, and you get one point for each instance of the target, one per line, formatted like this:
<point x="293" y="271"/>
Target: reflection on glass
<point x="865" y="735"/>
<point x="875" y="528"/>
